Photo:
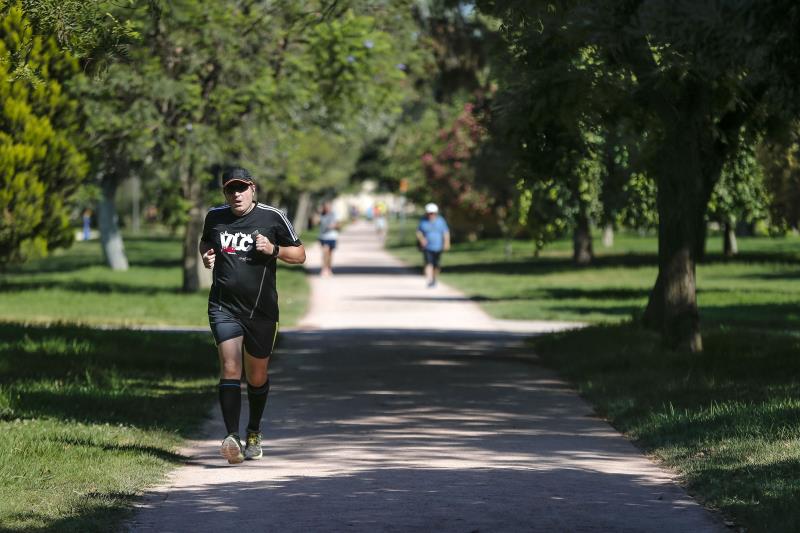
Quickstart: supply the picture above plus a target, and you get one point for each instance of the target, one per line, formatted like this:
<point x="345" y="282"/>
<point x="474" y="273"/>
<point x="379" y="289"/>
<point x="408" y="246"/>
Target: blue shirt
<point x="434" y="231"/>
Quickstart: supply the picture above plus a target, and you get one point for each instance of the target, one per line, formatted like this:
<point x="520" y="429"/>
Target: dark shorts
<point x="259" y="334"/>
<point x="431" y="258"/>
<point x="331" y="243"/>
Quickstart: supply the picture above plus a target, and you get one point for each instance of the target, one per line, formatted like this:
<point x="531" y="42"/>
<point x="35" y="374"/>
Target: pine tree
<point x="41" y="166"/>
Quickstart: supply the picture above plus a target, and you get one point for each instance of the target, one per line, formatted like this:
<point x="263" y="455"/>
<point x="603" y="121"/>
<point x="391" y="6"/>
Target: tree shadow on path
<point x="394" y="430"/>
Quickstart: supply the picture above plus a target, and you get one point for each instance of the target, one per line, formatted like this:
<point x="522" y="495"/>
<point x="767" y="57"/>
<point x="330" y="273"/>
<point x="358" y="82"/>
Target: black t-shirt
<point x="244" y="278"/>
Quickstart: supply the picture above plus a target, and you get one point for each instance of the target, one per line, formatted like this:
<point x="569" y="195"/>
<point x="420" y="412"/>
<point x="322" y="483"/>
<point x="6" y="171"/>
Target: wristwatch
<point x="275" y="250"/>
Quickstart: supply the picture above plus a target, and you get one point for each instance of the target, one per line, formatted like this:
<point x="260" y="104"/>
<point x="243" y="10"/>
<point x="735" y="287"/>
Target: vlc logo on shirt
<point x="236" y="242"/>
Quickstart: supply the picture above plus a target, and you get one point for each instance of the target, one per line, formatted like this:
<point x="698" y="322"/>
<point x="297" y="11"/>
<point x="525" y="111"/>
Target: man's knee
<point x="257" y="381"/>
<point x="231" y="371"/>
<point x="257" y="369"/>
<point x="230" y="363"/>
<point x="257" y="377"/>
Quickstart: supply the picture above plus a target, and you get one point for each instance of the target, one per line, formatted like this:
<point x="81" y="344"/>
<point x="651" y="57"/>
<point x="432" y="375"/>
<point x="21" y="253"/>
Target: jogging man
<point x="433" y="236"/>
<point x="242" y="241"/>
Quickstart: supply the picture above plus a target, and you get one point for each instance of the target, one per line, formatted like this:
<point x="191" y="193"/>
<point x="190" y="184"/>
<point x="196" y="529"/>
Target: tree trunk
<point x="302" y="212"/>
<point x="653" y="316"/>
<point x="136" y="193"/>
<point x="502" y="215"/>
<point x="672" y="308"/>
<point x="195" y="276"/>
<point x="582" y="253"/>
<point x="729" y="246"/>
<point x="685" y="179"/>
<point x="608" y="235"/>
<point x="110" y="236"/>
<point x="702" y="238"/>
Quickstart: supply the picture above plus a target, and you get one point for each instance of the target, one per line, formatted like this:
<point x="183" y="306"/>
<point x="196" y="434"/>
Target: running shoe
<point x="231" y="449"/>
<point x="253" y="449"/>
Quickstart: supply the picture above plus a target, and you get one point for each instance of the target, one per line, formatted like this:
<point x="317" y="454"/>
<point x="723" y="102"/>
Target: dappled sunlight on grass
<point x="112" y="406"/>
<point x="727" y="420"/>
<point x="75" y="286"/>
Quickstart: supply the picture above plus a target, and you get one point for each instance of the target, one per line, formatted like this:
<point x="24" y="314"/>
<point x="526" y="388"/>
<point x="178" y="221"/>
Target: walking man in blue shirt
<point x="433" y="236"/>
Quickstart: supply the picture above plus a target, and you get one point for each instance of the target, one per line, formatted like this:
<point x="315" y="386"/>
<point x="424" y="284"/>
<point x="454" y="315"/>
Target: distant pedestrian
<point x="380" y="219"/>
<point x="87" y="224"/>
<point x="433" y="236"/>
<point x="328" y="235"/>
<point x="242" y="242"/>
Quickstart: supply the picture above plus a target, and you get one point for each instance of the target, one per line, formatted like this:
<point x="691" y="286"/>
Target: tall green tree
<point x="446" y="77"/>
<point x="628" y="192"/>
<point x="543" y="122"/>
<point x="120" y="135"/>
<point x="780" y="159"/>
<point x="338" y="87"/>
<point x="86" y="29"/>
<point x="235" y="82"/>
<point x="91" y="33"/>
<point x="41" y="167"/>
<point x="740" y="196"/>
<point x="693" y="76"/>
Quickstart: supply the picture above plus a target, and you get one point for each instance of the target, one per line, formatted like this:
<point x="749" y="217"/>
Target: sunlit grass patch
<point x="761" y="286"/>
<point x="90" y="418"/>
<point x="75" y="286"/>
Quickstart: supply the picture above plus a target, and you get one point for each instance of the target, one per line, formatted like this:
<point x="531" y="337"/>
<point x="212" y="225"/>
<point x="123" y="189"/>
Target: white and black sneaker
<point x="253" y="448"/>
<point x="231" y="449"/>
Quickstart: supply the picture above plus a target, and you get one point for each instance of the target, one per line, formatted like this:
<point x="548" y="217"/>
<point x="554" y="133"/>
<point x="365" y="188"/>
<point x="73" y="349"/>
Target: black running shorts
<point x="259" y="334"/>
<point x="431" y="258"/>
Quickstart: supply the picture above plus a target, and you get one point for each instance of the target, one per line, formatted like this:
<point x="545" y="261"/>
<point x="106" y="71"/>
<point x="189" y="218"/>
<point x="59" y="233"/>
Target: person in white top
<point x="328" y="234"/>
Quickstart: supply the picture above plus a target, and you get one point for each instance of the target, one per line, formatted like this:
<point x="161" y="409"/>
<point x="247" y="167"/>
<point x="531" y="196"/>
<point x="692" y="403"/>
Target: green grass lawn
<point x="90" y="418"/>
<point x="727" y="420"/>
<point x="761" y="286"/>
<point x="75" y="286"/>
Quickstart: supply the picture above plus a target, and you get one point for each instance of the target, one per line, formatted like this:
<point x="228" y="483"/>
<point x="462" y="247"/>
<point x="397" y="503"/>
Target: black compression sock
<point x="257" y="397"/>
<point x="230" y="401"/>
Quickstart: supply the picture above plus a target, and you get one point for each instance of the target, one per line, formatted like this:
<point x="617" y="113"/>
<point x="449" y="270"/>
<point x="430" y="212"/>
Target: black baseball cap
<point x="236" y="174"/>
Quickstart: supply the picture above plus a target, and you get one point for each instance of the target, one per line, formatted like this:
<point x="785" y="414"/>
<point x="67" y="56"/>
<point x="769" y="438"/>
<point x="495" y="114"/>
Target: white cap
<point x="431" y="208"/>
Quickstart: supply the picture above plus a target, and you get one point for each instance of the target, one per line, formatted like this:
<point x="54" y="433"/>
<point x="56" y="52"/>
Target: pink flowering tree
<point x="450" y="174"/>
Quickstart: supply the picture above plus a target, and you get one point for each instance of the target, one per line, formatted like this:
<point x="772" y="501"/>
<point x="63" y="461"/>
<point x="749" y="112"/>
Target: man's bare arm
<point x="294" y="255"/>
<point x="421" y="239"/>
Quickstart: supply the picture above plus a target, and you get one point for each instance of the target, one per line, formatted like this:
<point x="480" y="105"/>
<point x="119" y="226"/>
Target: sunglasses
<point x="236" y="187"/>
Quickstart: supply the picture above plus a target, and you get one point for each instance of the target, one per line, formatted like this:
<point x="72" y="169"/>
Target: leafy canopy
<point x="41" y="167"/>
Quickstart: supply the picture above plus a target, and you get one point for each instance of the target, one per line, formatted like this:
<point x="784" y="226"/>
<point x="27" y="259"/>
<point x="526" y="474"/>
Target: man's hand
<point x="208" y="258"/>
<point x="423" y="242"/>
<point x="263" y="245"/>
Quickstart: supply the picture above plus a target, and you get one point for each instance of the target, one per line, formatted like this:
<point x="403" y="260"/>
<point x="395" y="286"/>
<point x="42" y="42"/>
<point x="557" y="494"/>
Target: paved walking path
<point x="400" y="408"/>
